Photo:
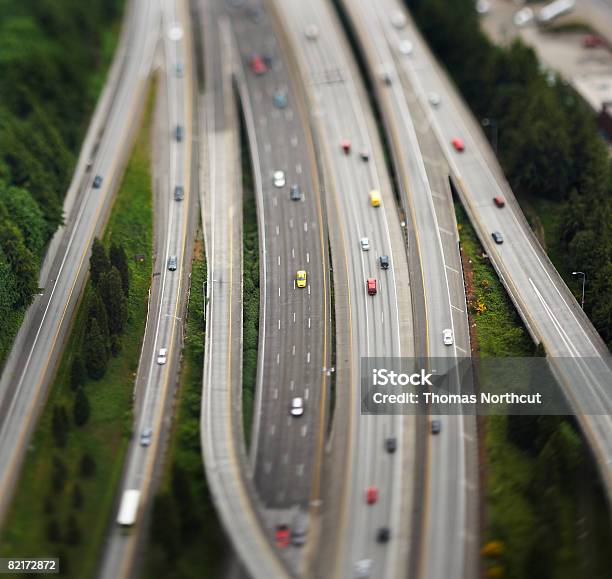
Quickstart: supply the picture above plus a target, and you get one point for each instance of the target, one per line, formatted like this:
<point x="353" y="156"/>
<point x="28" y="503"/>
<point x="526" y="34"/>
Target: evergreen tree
<point x="94" y="351"/>
<point x="58" y="475"/>
<point x="54" y="534"/>
<point x="77" y="496"/>
<point x="97" y="310"/>
<point x="78" y="372"/>
<point x="87" y="465"/>
<point x="73" y="531"/>
<point x="81" y="408"/>
<point x="99" y="263"/>
<point x="118" y="259"/>
<point x="59" y="425"/>
<point x="111" y="292"/>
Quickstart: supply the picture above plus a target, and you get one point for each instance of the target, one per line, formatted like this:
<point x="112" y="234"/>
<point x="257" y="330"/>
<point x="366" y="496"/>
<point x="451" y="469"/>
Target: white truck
<point x="128" y="510"/>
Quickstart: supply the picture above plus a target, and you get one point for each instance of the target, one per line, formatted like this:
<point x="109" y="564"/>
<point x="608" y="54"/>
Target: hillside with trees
<point x="52" y="53"/>
<point x="548" y="143"/>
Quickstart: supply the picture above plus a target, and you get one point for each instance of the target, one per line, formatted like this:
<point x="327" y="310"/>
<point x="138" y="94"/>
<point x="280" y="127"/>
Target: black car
<point x="296" y="194"/>
<point x="179" y="133"/>
<point x="497" y="237"/>
<point x="391" y="444"/>
<point x="179" y="193"/>
<point x="384" y="261"/>
<point x="383" y="535"/>
<point x="436" y="426"/>
<point x="97" y="181"/>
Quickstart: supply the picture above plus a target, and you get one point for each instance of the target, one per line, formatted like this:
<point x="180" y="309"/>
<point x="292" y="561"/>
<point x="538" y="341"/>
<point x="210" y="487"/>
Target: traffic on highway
<point x="273" y="203"/>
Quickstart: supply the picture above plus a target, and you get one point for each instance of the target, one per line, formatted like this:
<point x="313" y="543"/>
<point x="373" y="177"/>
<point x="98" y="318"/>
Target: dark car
<point x="296" y="194"/>
<point x="97" y="181"/>
<point x="383" y="535"/>
<point x="178" y="133"/>
<point x="391" y="444"/>
<point x="436" y="426"/>
<point x="384" y="261"/>
<point x="497" y="237"/>
<point x="179" y="193"/>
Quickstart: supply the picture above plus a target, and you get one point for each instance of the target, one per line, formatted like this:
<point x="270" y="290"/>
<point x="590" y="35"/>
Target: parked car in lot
<point x="497" y="237"/>
<point x="499" y="201"/>
<point x="279" y="178"/>
<point x="436" y="426"/>
<point x="297" y="406"/>
<point x="162" y="356"/>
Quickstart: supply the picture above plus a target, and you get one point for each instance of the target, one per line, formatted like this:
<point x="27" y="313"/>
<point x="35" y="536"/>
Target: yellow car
<point x="300" y="278"/>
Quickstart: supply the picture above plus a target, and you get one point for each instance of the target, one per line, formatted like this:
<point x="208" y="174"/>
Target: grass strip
<point x="62" y="507"/>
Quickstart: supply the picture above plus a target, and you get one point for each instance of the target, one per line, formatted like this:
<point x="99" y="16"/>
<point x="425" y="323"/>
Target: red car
<point x="371" y="495"/>
<point x="282" y="537"/>
<point x="458" y="144"/>
<point x="346" y="146"/>
<point x="258" y="65"/>
<point x="499" y="201"/>
<point x="371" y="286"/>
<point x="592" y="41"/>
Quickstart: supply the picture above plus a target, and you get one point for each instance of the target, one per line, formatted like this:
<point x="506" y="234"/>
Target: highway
<point x="164" y="329"/>
<point x="378" y="324"/>
<point x="551" y="313"/>
<point x="294" y="330"/>
<point x="450" y="513"/>
<point x="31" y="365"/>
<point x="226" y="463"/>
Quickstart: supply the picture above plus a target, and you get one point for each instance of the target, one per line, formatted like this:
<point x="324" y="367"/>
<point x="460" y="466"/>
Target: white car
<point x="433" y="98"/>
<point x="279" y="178"/>
<point x="398" y="19"/>
<point x="363" y="568"/>
<point x="523" y="17"/>
<point x="365" y="244"/>
<point x="162" y="357"/>
<point x="405" y="47"/>
<point x="311" y="32"/>
<point x="447" y="336"/>
<point x="145" y="436"/>
<point x="297" y="406"/>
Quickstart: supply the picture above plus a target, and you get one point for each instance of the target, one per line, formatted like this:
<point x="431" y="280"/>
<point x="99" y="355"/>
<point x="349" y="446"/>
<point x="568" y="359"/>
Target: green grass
<point x="500" y="331"/>
<point x="106" y="435"/>
<point x="250" y="305"/>
<point x="187" y="540"/>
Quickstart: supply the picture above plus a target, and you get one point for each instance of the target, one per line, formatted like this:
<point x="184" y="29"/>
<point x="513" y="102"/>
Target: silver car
<point x="145" y="436"/>
<point x="365" y="244"/>
<point x="279" y="178"/>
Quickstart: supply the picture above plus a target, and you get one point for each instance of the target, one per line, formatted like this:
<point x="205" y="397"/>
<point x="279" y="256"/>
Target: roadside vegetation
<point x="548" y="144"/>
<point x="54" y="57"/>
<point x="65" y="495"/>
<point x="545" y="513"/>
<point x="186" y="538"/>
<point x="251" y="293"/>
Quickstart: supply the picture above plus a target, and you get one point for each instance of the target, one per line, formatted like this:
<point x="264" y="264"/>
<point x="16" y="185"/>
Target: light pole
<point x="487" y="122"/>
<point x="583" y="284"/>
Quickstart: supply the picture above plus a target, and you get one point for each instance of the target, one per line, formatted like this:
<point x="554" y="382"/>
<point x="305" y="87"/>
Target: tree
<point x="54" y="535"/>
<point x="59" y="474"/>
<point x="97" y="309"/>
<point x="22" y="261"/>
<point x="78" y="372"/>
<point x="77" y="496"/>
<point x="87" y="465"/>
<point x="59" y="425"/>
<point x="111" y="292"/>
<point x="99" y="263"/>
<point x="94" y="351"/>
<point x="81" y="408"/>
<point x="25" y="213"/>
<point x="165" y="524"/>
<point x="73" y="531"/>
<point x="118" y="258"/>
